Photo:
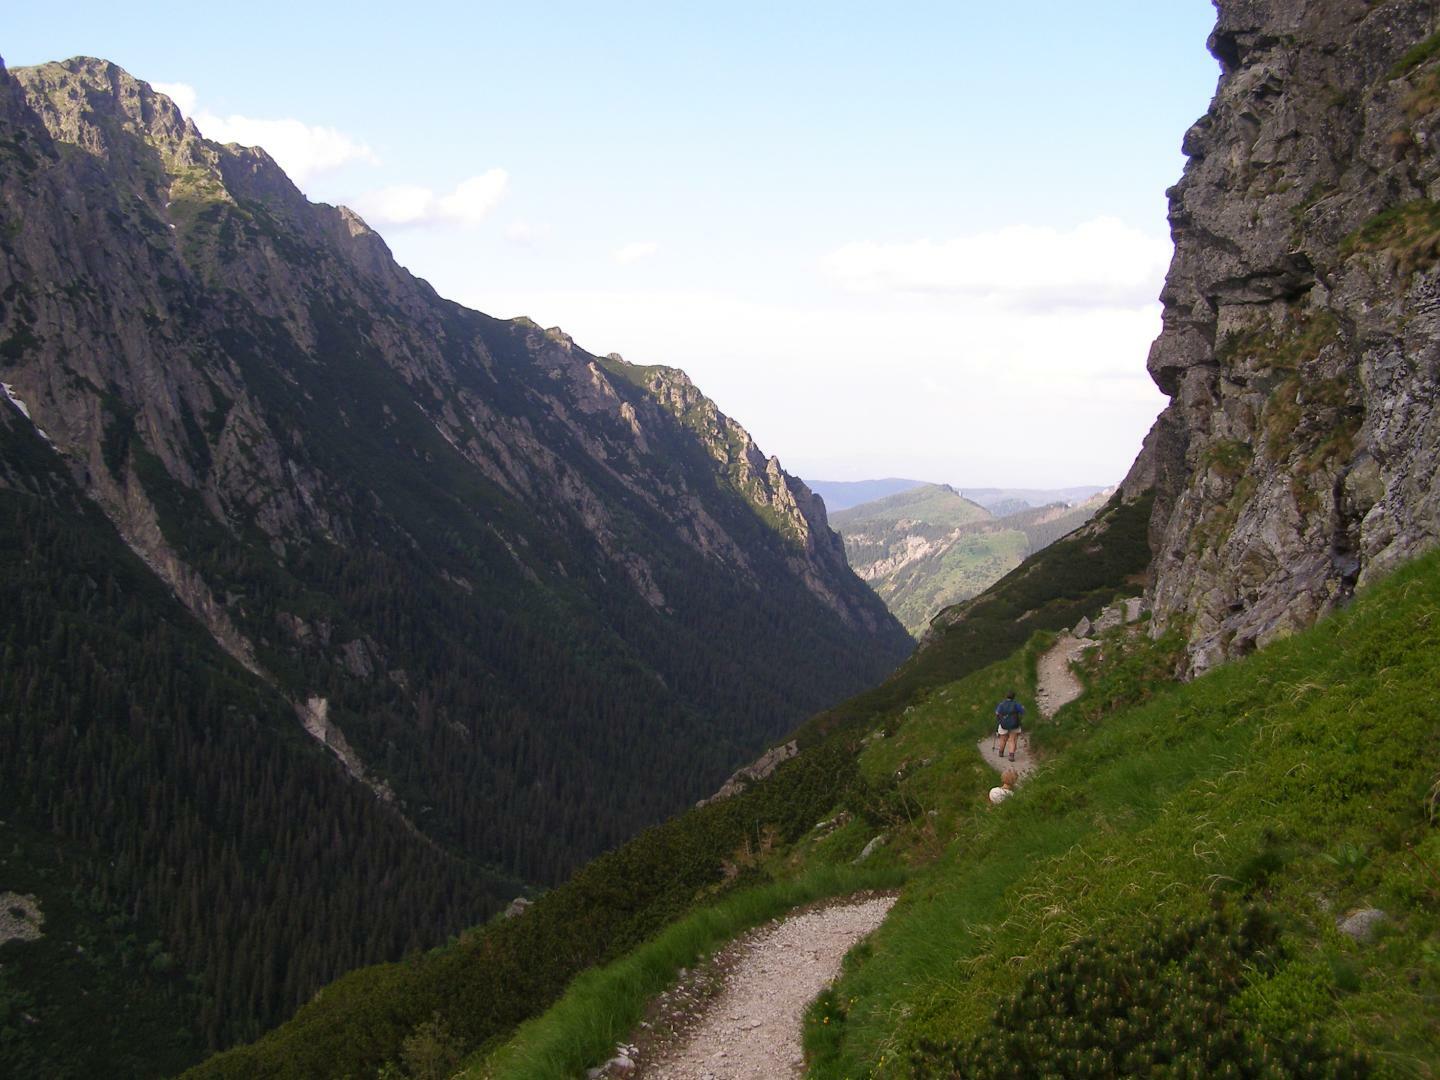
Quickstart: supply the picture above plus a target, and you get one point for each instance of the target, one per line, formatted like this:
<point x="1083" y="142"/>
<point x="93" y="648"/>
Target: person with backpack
<point x="1007" y="718"/>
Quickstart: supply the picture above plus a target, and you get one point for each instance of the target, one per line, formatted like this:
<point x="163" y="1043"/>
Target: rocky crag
<point x="1297" y="458"/>
<point x="535" y="598"/>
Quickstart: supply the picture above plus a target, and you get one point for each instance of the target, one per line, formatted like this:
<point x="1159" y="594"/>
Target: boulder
<point x="1110" y="618"/>
<point x="870" y="849"/>
<point x="1082" y="628"/>
<point x="1361" y="924"/>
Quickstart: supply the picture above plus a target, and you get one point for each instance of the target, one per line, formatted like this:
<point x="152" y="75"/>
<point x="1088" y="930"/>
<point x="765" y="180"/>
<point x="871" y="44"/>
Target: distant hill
<point x="925" y="549"/>
<point x="1002" y="501"/>
<point x="843" y="494"/>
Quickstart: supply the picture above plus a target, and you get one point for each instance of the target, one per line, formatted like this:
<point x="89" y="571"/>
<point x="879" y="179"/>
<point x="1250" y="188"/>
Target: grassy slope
<point x="1301" y="782"/>
<point x="1303" y="779"/>
<point x="1050" y="590"/>
<point x="933" y="504"/>
<point x="967" y="567"/>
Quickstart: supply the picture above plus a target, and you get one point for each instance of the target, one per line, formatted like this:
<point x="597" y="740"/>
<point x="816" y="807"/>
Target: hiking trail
<point x="1055" y="685"/>
<point x="752" y="1027"/>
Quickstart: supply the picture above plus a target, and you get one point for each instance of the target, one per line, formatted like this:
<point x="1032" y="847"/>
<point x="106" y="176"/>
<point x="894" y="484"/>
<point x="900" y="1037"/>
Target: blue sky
<point x="919" y="240"/>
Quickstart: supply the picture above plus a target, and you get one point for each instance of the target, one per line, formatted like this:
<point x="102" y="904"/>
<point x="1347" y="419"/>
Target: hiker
<point x="1007" y="719"/>
<point x="1008" y="780"/>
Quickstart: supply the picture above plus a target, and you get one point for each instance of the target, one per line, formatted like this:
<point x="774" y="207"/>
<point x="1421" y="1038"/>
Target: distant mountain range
<point x="928" y="547"/>
<point x="843" y="494"/>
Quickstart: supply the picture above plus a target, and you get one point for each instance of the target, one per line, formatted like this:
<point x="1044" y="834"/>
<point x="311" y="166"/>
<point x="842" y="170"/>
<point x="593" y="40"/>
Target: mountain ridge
<point x="492" y="575"/>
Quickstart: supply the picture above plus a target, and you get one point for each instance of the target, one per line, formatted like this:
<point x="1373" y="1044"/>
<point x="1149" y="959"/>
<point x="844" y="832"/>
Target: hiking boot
<point x="1012" y="757"/>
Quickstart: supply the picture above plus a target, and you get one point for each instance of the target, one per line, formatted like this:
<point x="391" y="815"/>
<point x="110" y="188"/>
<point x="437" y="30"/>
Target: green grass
<point x="1203" y="837"/>
<point x="1050" y="590"/>
<point x="933" y="504"/>
<point x="961" y="570"/>
<point x="1416" y="55"/>
<point x="1301" y="780"/>
<point x="603" y="1005"/>
<point x="1409" y="233"/>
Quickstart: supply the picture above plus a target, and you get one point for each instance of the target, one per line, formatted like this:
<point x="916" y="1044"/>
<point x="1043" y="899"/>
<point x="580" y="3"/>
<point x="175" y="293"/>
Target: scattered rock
<point x="518" y="906"/>
<point x="1082" y="628"/>
<point x="870" y="848"/>
<point x="20" y="918"/>
<point x="1110" y="618"/>
<point x="1362" y="924"/>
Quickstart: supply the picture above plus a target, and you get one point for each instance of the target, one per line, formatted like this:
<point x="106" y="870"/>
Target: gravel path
<point x="751" y="1029"/>
<point x="1056" y="685"/>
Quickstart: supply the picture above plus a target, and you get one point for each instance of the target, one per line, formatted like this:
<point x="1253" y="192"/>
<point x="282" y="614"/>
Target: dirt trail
<point x="1056" y="685"/>
<point x="751" y="1029"/>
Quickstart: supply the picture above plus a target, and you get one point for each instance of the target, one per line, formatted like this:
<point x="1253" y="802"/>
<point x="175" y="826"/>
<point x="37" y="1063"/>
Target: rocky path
<point x="752" y="1027"/>
<point x="1056" y="685"/>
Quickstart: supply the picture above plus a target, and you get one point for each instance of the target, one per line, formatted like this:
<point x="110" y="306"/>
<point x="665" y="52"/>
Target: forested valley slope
<point x="1220" y="875"/>
<point x="334" y="614"/>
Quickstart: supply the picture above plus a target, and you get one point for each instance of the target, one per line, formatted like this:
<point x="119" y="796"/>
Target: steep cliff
<point x="1297" y="458"/>
<point x="534" y="598"/>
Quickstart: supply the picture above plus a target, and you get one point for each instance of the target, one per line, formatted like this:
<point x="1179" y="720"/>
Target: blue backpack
<point x="1010" y="711"/>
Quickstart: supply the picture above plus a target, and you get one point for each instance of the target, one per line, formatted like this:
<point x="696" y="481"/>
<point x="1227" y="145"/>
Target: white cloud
<point x="472" y="199"/>
<point x="1101" y="263"/>
<point x="183" y="94"/>
<point x="302" y="150"/>
<point x="640" y="249"/>
<point x="404" y="204"/>
<point x="526" y="234"/>
<point x="945" y="388"/>
<point x="467" y="204"/>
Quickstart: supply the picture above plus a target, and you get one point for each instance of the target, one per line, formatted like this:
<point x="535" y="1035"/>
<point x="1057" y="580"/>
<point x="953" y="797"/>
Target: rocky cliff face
<point x="362" y="489"/>
<point x="1297" y="458"/>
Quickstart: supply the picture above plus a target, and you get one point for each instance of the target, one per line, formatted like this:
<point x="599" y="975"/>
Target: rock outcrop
<point x="1297" y="458"/>
<point x="756" y="771"/>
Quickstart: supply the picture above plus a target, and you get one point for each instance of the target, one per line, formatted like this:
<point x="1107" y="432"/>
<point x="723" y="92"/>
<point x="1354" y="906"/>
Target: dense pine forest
<point x="335" y="614"/>
<point x="180" y="815"/>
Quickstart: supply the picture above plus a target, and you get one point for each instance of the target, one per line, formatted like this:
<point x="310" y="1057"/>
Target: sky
<point x="915" y="239"/>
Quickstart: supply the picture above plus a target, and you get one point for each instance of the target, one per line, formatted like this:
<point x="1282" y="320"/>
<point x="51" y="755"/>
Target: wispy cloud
<point x="634" y="252"/>
<point x="527" y="234"/>
<point x="1100" y="263"/>
<point x="302" y="150"/>
<point x="183" y="94"/>
<point x="467" y="204"/>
